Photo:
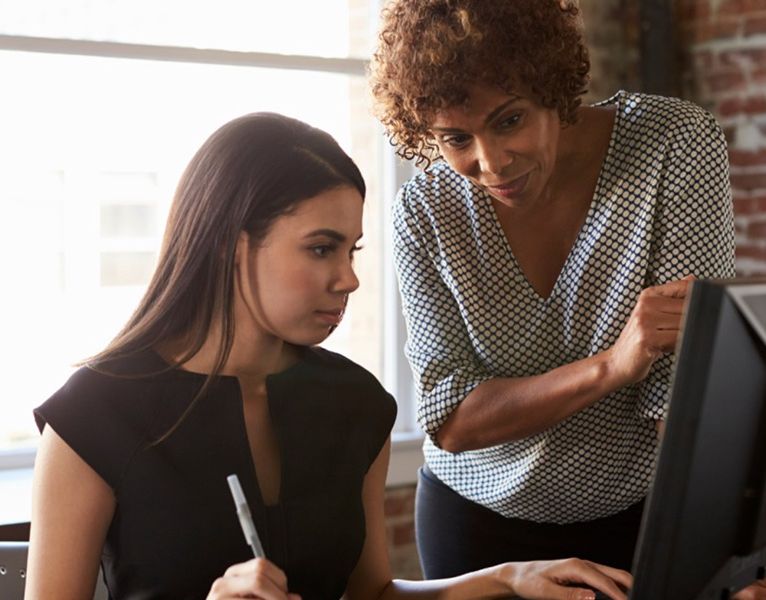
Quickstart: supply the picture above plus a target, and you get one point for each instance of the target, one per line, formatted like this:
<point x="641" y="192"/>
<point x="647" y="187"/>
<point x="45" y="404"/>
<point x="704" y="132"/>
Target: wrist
<point x="491" y="582"/>
<point x="611" y="375"/>
<point x="503" y="580"/>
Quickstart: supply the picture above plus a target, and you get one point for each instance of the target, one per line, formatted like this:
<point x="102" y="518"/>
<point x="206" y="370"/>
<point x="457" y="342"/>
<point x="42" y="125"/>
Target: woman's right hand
<point x="651" y="331"/>
<point x="256" y="578"/>
<point x="568" y="579"/>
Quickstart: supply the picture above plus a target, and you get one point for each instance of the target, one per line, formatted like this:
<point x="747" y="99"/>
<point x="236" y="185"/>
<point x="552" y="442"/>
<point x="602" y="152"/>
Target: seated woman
<point x="217" y="373"/>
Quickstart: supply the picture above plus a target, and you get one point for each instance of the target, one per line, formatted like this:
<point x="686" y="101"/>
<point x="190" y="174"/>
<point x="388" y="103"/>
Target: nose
<point x="492" y="157"/>
<point x="346" y="280"/>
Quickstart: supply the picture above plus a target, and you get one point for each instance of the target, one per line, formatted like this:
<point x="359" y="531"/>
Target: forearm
<point x="506" y="409"/>
<point x="487" y="583"/>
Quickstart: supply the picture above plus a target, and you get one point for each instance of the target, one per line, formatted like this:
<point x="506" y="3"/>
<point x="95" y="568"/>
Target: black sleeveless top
<point x="175" y="529"/>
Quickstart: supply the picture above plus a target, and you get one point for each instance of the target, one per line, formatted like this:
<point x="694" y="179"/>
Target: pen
<point x="245" y="519"/>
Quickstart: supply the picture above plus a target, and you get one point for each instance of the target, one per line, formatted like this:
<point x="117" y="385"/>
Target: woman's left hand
<point x="756" y="591"/>
<point x="559" y="579"/>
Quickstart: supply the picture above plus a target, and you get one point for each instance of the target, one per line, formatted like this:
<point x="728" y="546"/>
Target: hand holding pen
<point x="257" y="578"/>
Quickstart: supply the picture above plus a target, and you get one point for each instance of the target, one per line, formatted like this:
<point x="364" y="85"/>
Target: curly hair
<point x="431" y="51"/>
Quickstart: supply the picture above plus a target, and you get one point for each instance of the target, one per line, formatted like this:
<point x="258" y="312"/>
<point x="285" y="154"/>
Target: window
<point x="103" y="105"/>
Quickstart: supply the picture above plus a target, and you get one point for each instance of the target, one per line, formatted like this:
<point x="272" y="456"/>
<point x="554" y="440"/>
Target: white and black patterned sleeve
<point x="693" y="225"/>
<point x="439" y="349"/>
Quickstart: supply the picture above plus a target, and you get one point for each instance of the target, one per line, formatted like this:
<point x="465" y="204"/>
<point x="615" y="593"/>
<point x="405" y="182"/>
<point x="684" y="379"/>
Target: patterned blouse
<point x="661" y="210"/>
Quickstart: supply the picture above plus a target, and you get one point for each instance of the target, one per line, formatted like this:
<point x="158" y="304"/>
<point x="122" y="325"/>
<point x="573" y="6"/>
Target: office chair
<point x="13" y="566"/>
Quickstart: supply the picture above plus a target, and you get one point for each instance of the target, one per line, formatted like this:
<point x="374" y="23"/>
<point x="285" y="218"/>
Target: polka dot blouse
<point x="661" y="210"/>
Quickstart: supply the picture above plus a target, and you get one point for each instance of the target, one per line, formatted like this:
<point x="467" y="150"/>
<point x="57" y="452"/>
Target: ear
<point x="242" y="249"/>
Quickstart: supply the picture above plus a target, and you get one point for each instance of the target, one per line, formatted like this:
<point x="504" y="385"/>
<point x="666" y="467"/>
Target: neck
<point x="252" y="356"/>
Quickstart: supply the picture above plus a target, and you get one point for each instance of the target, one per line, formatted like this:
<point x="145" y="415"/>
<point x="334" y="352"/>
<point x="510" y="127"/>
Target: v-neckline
<point x="617" y="100"/>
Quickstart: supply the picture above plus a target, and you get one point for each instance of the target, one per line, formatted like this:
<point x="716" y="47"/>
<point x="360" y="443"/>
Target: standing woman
<point x="543" y="259"/>
<point x="216" y="373"/>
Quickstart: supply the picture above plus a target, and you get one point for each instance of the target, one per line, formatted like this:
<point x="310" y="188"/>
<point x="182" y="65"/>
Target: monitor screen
<point x="703" y="533"/>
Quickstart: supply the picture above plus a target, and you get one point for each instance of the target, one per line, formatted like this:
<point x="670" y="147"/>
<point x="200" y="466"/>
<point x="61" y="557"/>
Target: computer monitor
<point x="703" y="533"/>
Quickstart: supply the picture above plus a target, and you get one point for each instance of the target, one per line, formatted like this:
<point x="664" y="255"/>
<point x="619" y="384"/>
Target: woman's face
<point x="296" y="281"/>
<point x="506" y="144"/>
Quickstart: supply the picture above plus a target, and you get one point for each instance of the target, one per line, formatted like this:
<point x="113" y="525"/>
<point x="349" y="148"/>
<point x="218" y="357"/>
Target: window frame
<point x="406" y="454"/>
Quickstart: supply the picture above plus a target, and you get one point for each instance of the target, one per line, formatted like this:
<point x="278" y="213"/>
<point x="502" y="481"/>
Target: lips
<point x="510" y="189"/>
<point x="331" y="317"/>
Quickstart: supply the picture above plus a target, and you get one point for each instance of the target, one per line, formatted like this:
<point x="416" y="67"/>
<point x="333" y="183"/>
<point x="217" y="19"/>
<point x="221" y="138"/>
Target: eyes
<point x="324" y="250"/>
<point x="461" y="140"/>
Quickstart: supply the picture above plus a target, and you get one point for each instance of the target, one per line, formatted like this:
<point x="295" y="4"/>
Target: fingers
<point x="568" y="580"/>
<point x="259" y="566"/>
<point x="257" y="578"/>
<point x="662" y="303"/>
<point x="674" y="289"/>
<point x="756" y="591"/>
<point x="623" y="578"/>
<point x="612" y="582"/>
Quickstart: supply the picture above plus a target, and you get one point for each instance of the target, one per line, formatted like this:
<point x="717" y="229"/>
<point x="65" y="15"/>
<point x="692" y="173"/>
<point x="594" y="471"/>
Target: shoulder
<point x="118" y="385"/>
<point x="662" y="117"/>
<point x="341" y="370"/>
<point x="349" y="378"/>
<point x="104" y="413"/>
<point x="434" y="203"/>
<point x="438" y="182"/>
<point x="112" y="375"/>
<point x="332" y="393"/>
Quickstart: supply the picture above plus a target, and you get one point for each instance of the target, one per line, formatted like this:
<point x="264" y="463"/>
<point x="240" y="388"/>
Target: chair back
<point x="13" y="572"/>
<point x="13" y="569"/>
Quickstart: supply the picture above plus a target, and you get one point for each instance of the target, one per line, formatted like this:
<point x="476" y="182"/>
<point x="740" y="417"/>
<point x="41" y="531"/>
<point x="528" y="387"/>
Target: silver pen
<point x="245" y="518"/>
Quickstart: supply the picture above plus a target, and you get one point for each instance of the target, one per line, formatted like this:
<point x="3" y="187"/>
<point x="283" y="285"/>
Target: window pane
<point x="90" y="154"/>
<point x="126" y="221"/>
<point x="126" y="268"/>
<point x="333" y="28"/>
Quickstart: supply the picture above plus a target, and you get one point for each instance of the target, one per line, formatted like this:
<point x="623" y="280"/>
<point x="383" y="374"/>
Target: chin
<point x="308" y="339"/>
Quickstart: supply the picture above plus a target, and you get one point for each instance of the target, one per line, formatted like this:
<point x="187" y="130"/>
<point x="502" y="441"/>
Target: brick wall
<point x="611" y="32"/>
<point x="400" y="530"/>
<point x="724" y="49"/>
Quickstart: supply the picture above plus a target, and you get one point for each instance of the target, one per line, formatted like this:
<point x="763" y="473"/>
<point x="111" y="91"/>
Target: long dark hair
<point x="248" y="173"/>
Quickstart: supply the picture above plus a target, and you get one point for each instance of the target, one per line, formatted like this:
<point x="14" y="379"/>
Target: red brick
<point x="731" y="7"/>
<point x="745" y="158"/>
<point x="748" y="181"/>
<point x="751" y="251"/>
<point x="706" y="31"/>
<point x="758" y="77"/>
<point x="399" y="504"/>
<point x="691" y="10"/>
<point x="757" y="230"/>
<point x="754" y="25"/>
<point x="740" y="7"/>
<point x="730" y="106"/>
<point x="750" y="206"/>
<point x="728" y="80"/>
<point x="754" y="5"/>
<point x="755" y="105"/>
<point x="403" y="534"/>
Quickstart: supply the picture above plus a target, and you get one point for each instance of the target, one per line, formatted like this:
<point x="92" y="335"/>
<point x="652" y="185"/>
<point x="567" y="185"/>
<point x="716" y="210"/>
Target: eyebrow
<point x="330" y="233"/>
<point x="492" y="115"/>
